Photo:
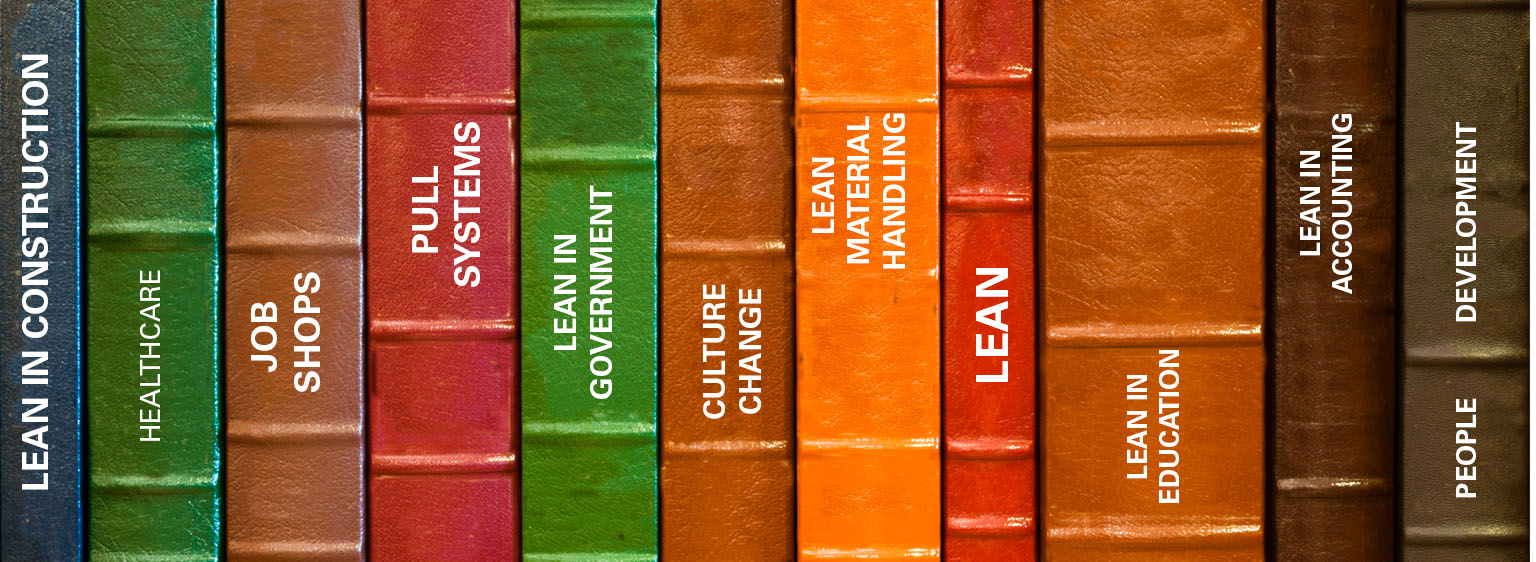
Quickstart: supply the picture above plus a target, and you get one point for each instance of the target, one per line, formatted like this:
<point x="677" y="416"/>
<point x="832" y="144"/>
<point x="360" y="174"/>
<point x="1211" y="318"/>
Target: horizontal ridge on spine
<point x="153" y="235"/>
<point x="1080" y="135"/>
<point x="588" y="557"/>
<point x="573" y="14"/>
<point x="492" y="103"/>
<point x="1333" y="487"/>
<point x="964" y="80"/>
<point x="960" y="200"/>
<point x="296" y="550"/>
<point x="1481" y="359"/>
<point x="441" y="463"/>
<point x="293" y="114"/>
<point x="138" y="556"/>
<point x="159" y="227"/>
<point x="832" y="554"/>
<point x="146" y="126"/>
<point x="724" y="85"/>
<point x="1363" y="115"/>
<point x="292" y="432"/>
<point x="589" y="157"/>
<point x="989" y="449"/>
<point x="289" y="242"/>
<point x="725" y="249"/>
<point x="591" y="431"/>
<point x="164" y="484"/>
<point x="812" y="103"/>
<point x="1205" y="334"/>
<point x="773" y="449"/>
<point x="888" y="445"/>
<point x="1162" y="532"/>
<point x="990" y="525"/>
<point x="444" y="329"/>
<point x="1470" y="534"/>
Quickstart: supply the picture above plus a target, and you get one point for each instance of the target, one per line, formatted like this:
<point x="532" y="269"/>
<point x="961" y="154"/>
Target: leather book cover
<point x="441" y="280"/>
<point x="152" y="235"/>
<point x="40" y="495"/>
<point x="293" y="301"/>
<point x="866" y="280"/>
<point x="1333" y="273"/>
<point x="989" y="280"/>
<point x="1464" y="319"/>
<point x="1153" y="262"/>
<point x="727" y="295"/>
<point x="589" y="256"/>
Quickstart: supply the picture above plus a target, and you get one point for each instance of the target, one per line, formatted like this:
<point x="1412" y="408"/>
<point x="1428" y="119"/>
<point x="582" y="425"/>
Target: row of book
<point x="613" y="280"/>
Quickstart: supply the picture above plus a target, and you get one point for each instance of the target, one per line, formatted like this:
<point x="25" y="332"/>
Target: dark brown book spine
<point x="293" y="301"/>
<point x="727" y="187"/>
<point x="1333" y="275"/>
<point x="1465" y="320"/>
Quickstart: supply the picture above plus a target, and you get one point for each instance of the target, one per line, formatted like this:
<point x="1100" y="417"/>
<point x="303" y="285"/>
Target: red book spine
<point x="441" y="197"/>
<point x="989" y="288"/>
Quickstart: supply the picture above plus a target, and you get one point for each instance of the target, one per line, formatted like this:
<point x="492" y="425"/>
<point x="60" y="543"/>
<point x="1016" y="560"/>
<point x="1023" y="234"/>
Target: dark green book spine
<point x="152" y="279"/>
<point x="589" y="280"/>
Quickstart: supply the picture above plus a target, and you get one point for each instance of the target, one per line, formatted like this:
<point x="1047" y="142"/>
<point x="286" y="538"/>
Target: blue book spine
<point x="40" y="280"/>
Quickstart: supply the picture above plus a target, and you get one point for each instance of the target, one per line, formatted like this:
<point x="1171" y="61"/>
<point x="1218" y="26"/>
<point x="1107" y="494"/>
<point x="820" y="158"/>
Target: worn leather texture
<point x="1465" y="62"/>
<point x="1152" y="239"/>
<point x="152" y="282"/>
<point x="727" y="295"/>
<point x="1333" y="396"/>
<point x="40" y="496"/>
<point x="989" y="280"/>
<point x="589" y="83"/>
<point x="441" y="190"/>
<point x="867" y="336"/>
<point x="293" y="306"/>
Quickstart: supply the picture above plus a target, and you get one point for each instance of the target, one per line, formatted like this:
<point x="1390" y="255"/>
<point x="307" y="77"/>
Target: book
<point x="1152" y="202"/>
<point x="1333" y="277"/>
<point x="590" y="288"/>
<point x="293" y="301"/>
<point x="152" y="289"/>
<point x="1464" y="321"/>
<point x="727" y="295"/>
<point x="989" y="280"/>
<point x="40" y="495"/>
<point x="866" y="279"/>
<point x="441" y="189"/>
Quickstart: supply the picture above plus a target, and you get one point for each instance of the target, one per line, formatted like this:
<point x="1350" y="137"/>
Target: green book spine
<point x="152" y="279"/>
<point x="589" y="281"/>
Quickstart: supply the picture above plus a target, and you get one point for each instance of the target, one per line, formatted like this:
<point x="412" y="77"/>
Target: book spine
<point x="867" y="286"/>
<point x="441" y="190"/>
<point x="40" y="281"/>
<point x="1465" y="324"/>
<point x="727" y="169"/>
<point x="589" y="243"/>
<point x="989" y="280"/>
<point x="1334" y="280"/>
<point x="152" y="287"/>
<point x="1152" y="246"/>
<point x="294" y="259"/>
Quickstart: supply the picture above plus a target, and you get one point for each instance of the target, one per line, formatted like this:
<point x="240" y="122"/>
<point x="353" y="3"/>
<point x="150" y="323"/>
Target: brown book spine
<point x="293" y="301"/>
<point x="1334" y="280"/>
<point x="1464" y="357"/>
<point x="727" y="190"/>
<point x="1152" y="280"/>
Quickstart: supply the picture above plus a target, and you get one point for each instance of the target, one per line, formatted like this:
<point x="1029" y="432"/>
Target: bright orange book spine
<point x="867" y="286"/>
